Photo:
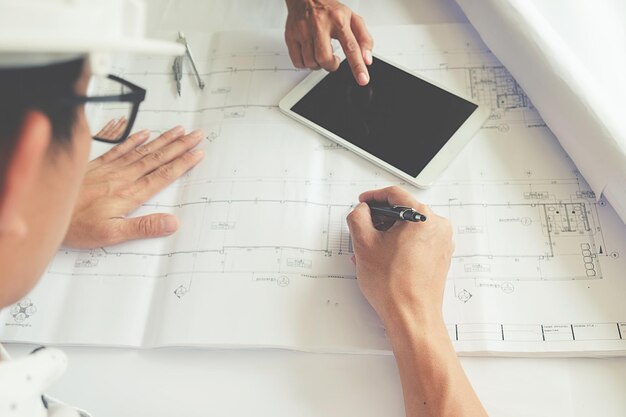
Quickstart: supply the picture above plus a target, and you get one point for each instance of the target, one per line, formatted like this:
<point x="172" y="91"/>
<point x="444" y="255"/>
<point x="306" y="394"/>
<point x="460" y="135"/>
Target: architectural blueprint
<point x="263" y="254"/>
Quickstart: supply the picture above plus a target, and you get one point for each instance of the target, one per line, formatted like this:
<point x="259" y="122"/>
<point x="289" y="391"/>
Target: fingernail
<point x="198" y="152"/>
<point x="368" y="57"/>
<point x="144" y="132"/>
<point x="178" y="130"/>
<point x="169" y="224"/>
<point x="362" y="78"/>
<point x="196" y="133"/>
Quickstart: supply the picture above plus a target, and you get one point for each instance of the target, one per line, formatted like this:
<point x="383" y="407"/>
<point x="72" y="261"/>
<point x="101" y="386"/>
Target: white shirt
<point x="23" y="381"/>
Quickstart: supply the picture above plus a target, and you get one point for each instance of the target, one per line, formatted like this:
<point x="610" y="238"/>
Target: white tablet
<point x="408" y="125"/>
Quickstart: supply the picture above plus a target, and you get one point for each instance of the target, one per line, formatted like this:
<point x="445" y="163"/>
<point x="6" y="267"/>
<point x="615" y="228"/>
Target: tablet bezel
<point x="435" y="166"/>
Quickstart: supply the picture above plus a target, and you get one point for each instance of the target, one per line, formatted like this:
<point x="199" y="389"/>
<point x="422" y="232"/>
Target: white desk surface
<point x="185" y="382"/>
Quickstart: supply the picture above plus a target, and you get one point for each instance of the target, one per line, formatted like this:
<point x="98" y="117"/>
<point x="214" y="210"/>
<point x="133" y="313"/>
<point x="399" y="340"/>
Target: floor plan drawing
<point x="263" y="257"/>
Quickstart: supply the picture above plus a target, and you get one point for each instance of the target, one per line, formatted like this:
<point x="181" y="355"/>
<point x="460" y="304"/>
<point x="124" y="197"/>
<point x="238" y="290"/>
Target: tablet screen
<point x="398" y="117"/>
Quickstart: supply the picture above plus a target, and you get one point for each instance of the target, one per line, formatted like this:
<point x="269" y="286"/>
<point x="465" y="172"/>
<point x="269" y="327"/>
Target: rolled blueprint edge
<point x="559" y="87"/>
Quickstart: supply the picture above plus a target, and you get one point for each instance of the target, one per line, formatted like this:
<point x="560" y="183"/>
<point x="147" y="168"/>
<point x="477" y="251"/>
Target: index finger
<point x="354" y="56"/>
<point x="393" y="196"/>
<point x="363" y="37"/>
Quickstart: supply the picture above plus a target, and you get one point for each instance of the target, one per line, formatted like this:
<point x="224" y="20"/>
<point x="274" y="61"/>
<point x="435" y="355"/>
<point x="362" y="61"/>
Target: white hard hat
<point x="42" y="32"/>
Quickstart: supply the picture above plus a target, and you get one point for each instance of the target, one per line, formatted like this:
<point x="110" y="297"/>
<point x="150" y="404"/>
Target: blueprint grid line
<point x="538" y="261"/>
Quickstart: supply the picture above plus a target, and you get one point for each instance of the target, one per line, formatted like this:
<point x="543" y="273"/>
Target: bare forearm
<point x="296" y="5"/>
<point x="402" y="272"/>
<point x="433" y="381"/>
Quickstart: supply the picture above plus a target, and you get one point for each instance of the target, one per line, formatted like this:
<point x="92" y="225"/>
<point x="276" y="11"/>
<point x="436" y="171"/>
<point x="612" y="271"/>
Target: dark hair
<point x="36" y="88"/>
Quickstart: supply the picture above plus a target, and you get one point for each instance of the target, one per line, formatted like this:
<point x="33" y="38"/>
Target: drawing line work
<point x="263" y="250"/>
<point x="564" y="230"/>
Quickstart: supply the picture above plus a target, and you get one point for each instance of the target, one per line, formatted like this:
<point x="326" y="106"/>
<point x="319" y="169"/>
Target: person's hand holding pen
<point x="401" y="268"/>
<point x="311" y="24"/>
<point x="405" y="266"/>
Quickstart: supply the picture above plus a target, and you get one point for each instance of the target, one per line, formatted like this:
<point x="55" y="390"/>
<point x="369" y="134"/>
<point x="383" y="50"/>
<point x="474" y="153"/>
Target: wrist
<point x="293" y="3"/>
<point x="415" y="323"/>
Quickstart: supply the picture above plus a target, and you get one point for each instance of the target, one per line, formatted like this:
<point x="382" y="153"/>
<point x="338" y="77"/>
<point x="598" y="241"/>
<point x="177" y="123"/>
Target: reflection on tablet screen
<point x="397" y="117"/>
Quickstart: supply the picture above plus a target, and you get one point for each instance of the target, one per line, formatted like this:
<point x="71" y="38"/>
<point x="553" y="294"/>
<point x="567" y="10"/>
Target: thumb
<point x="361" y="225"/>
<point x="152" y="225"/>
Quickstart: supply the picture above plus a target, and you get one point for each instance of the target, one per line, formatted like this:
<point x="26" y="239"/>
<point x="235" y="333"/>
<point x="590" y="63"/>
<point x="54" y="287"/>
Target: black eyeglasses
<point x="111" y="107"/>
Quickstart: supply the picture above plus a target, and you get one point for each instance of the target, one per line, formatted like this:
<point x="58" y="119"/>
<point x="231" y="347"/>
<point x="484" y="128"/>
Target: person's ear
<point x="21" y="172"/>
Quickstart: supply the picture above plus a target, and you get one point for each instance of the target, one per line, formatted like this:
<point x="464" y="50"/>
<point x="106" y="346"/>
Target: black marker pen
<point x="398" y="213"/>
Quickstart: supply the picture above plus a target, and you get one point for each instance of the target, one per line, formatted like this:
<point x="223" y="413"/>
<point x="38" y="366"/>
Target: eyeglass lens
<point x="108" y="121"/>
